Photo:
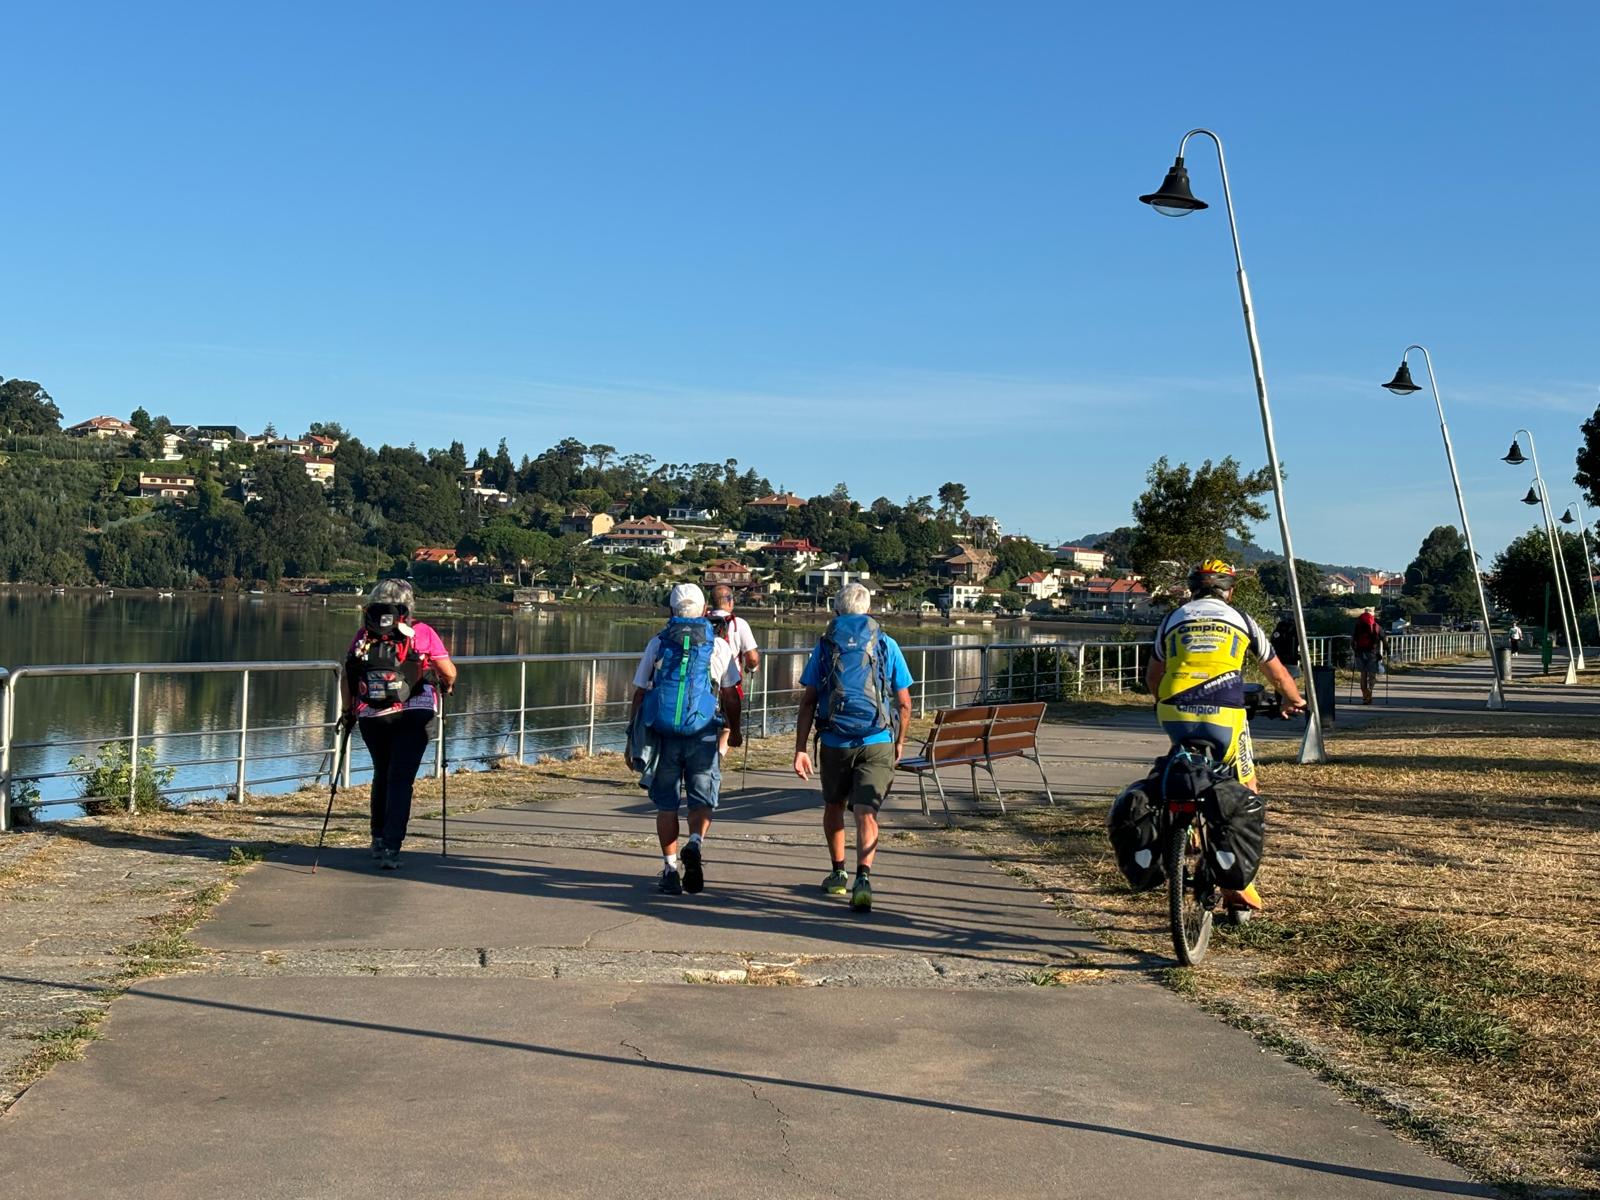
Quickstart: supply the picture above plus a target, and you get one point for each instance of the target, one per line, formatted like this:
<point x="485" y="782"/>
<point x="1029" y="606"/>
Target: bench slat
<point x="1010" y="711"/>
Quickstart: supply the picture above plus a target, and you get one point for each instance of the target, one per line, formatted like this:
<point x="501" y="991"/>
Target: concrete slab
<point x="516" y="1088"/>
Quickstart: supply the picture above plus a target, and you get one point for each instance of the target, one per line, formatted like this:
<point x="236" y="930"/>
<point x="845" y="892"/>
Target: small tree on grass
<point x="106" y="780"/>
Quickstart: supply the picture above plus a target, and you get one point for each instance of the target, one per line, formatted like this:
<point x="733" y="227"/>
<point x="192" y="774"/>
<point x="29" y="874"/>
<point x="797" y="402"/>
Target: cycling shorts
<point x="1226" y="728"/>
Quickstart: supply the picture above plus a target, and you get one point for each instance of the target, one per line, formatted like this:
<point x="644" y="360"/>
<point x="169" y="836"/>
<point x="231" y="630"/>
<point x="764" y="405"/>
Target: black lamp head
<point x="1515" y="457"/>
<point x="1533" y="495"/>
<point x="1173" y="198"/>
<point x="1401" y="384"/>
<point x="1567" y="518"/>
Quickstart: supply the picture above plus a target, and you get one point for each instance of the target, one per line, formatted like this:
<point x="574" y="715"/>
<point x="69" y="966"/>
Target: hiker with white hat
<point x="686" y="693"/>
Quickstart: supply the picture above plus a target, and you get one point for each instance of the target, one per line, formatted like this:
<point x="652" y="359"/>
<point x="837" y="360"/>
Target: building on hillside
<point x="1338" y="585"/>
<point x="1128" y="596"/>
<point x="1369" y="585"/>
<point x="775" y="505"/>
<point x="967" y="563"/>
<point x="618" y="511"/>
<point x="439" y="556"/>
<point x="165" y="487"/>
<point x="1039" y="585"/>
<point x="491" y="497"/>
<point x="1394" y="587"/>
<point x="226" y="434"/>
<point x="829" y="577"/>
<point x="489" y="573"/>
<point x="1082" y="557"/>
<point x="320" y="469"/>
<point x="962" y="597"/>
<point x="171" y="447"/>
<point x="102" y="429"/>
<point x="321" y="445"/>
<point x="473" y="477"/>
<point x="296" y="446"/>
<point x="587" y="524"/>
<point x="642" y="535"/>
<point x="729" y="571"/>
<point x="799" y="552"/>
<point x="691" y="515"/>
<point x="986" y="529"/>
<point x="748" y="540"/>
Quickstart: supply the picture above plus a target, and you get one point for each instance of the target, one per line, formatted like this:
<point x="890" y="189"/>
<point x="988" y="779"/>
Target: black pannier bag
<point x="1134" y="823"/>
<point x="1238" y="819"/>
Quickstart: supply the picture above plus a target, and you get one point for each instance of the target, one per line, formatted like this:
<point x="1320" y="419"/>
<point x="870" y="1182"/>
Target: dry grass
<point x="1432" y="938"/>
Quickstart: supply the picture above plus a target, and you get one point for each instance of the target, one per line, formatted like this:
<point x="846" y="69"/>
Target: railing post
<point x="766" y="691"/>
<point x="1056" y="693"/>
<point x="133" y="747"/>
<point x="522" y="715"/>
<point x="438" y="745"/>
<point x="1082" y="649"/>
<point x="922" y="679"/>
<point x="244" y="729"/>
<point x="5" y="756"/>
<point x="983" y="673"/>
<point x="594" y="671"/>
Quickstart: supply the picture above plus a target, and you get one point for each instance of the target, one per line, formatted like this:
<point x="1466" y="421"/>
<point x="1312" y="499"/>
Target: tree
<point x="330" y="429"/>
<point x="1186" y="515"/>
<point x="1118" y="544"/>
<point x="26" y="408"/>
<point x="1588" y="476"/>
<point x="1441" y="577"/>
<point x="601" y="453"/>
<point x="1521" y="571"/>
<point x="1018" y="558"/>
<point x="952" y="499"/>
<point x="1274" y="576"/>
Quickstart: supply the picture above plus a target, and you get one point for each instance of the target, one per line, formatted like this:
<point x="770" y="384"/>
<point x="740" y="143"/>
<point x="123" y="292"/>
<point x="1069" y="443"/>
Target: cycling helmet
<point x="1213" y="575"/>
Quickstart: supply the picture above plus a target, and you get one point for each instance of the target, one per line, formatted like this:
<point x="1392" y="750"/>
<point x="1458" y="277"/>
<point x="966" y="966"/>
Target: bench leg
<point x="989" y="767"/>
<point x="973" y="767"/>
<point x="922" y="791"/>
<point x="1034" y="758"/>
<point x="943" y="799"/>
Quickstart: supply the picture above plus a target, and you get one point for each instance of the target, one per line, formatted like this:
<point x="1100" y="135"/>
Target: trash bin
<point x="1327" y="689"/>
<point x="1504" y="655"/>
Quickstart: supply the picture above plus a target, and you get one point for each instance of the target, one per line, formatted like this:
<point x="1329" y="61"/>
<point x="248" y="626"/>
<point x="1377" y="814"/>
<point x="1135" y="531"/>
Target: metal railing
<point x="508" y="708"/>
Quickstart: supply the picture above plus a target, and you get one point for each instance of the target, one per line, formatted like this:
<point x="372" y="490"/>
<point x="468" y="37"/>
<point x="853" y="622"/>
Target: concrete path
<point x="530" y="1018"/>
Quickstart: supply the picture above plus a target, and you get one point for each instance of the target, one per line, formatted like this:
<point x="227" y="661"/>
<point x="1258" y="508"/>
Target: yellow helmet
<point x="1215" y="574"/>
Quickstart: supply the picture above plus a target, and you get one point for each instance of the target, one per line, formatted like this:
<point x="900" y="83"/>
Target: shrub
<point x="106" y="781"/>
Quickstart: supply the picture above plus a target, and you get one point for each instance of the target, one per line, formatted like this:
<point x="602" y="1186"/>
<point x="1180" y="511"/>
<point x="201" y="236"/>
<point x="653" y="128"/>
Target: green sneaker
<point x="861" y="895"/>
<point x="836" y="884"/>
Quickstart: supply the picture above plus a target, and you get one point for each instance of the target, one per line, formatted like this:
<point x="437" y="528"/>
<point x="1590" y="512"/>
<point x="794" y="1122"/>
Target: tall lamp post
<point x="1402" y="385"/>
<point x="1588" y="563"/>
<point x="1540" y="495"/>
<point x="1174" y="199"/>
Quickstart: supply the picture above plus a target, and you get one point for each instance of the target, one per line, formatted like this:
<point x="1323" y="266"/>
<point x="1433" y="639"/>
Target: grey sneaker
<point x="837" y="883"/>
<point x="391" y="860"/>
<point x="670" y="883"/>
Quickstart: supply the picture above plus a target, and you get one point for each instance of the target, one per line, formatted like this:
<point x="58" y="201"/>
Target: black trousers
<point x="397" y="745"/>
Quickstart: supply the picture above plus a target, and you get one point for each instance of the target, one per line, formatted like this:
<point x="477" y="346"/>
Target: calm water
<point x="194" y="720"/>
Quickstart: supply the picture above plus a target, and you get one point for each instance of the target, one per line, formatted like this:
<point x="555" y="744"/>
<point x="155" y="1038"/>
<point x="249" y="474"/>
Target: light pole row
<point x="1540" y="494"/>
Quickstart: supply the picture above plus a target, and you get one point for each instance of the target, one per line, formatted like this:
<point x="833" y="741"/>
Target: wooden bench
<point x="976" y="737"/>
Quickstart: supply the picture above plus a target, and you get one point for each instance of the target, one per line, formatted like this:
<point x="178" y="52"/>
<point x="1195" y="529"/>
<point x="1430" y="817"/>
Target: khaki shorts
<point x="862" y="775"/>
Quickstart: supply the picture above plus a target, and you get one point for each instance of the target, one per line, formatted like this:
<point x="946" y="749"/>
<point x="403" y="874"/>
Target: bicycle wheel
<point x="1188" y="894"/>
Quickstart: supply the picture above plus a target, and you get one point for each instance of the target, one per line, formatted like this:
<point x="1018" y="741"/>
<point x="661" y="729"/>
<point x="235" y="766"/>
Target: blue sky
<point x="886" y="243"/>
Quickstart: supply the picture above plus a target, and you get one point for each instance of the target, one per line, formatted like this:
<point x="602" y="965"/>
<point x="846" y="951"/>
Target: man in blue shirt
<point x="858" y="692"/>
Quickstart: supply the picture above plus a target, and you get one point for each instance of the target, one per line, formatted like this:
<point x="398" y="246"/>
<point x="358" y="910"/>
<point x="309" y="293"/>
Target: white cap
<point x="686" y="596"/>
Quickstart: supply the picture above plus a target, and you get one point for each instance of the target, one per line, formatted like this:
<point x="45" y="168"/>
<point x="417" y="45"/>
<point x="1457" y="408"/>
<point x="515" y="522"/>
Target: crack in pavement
<point x="608" y="929"/>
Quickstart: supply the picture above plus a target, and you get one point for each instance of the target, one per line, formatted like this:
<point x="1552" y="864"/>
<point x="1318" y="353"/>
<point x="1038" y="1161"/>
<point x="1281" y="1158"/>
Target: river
<point x="193" y="721"/>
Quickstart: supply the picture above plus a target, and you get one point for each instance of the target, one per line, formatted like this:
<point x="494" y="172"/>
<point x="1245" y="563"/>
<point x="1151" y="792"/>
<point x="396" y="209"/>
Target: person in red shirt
<point x="1367" y="642"/>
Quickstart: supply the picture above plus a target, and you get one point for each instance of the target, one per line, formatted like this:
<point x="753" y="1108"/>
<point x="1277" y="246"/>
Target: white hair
<point x="852" y="598"/>
<point x="393" y="591"/>
<point x="687" y="600"/>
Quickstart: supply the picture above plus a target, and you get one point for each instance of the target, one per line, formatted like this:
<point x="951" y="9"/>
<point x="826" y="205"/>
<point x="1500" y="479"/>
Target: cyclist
<point x="1196" y="675"/>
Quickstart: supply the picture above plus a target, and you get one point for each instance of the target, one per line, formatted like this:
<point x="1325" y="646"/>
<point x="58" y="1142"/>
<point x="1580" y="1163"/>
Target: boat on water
<point x="258" y="591"/>
<point x="164" y="595"/>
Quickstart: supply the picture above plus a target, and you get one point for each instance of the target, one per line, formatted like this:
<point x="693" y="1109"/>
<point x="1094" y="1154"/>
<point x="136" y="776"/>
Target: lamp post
<point x="1174" y="199"/>
<point x="1401" y="385"/>
<point x="1540" y="495"/>
<point x="1588" y="563"/>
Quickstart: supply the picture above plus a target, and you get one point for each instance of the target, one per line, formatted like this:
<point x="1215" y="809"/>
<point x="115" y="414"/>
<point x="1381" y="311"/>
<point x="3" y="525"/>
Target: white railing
<point x="507" y="708"/>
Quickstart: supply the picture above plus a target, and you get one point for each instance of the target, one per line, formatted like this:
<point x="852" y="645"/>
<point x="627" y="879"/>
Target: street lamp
<point x="1588" y="563"/>
<point x="1539" y="494"/>
<point x="1174" y="199"/>
<point x="1402" y="385"/>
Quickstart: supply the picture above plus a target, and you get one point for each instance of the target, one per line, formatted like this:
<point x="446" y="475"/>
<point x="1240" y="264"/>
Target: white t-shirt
<point x="740" y="637"/>
<point x="724" y="663"/>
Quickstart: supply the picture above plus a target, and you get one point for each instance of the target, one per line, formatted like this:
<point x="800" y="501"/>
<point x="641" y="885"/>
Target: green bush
<point x="105" y="782"/>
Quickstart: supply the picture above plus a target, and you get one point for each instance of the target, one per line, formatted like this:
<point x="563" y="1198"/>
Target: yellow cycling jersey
<point x="1204" y="644"/>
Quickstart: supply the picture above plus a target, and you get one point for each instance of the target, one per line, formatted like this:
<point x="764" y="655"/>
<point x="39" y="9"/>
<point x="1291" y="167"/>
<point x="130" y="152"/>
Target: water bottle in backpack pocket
<point x="683" y="698"/>
<point x="853" y="683"/>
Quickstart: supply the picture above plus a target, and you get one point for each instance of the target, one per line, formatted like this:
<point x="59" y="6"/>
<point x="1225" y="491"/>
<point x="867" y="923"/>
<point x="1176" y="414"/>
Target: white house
<point x="830" y="577"/>
<point x="961" y="596"/>
<point x="1339" y="585"/>
<point x="491" y="497"/>
<point x="102" y="428"/>
<point x="1040" y="585"/>
<point x="165" y="487"/>
<point x="320" y="469"/>
<point x="297" y="446"/>
<point x="171" y="447"/>
<point x="1082" y="557"/>
<point x="691" y="514"/>
<point x="642" y="535"/>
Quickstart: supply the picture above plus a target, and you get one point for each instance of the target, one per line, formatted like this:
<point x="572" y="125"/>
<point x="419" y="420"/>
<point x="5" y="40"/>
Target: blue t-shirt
<point x="899" y="677"/>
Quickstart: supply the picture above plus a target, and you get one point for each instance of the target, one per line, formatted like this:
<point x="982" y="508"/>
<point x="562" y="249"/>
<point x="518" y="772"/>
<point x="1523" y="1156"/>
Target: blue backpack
<point x="853" y="683"/>
<point x="683" y="698"/>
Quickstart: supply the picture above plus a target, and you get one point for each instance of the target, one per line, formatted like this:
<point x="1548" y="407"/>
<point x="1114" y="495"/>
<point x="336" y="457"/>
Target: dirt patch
<point x="1431" y="941"/>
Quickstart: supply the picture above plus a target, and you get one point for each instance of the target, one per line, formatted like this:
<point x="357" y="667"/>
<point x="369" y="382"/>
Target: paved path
<point x="519" y="1020"/>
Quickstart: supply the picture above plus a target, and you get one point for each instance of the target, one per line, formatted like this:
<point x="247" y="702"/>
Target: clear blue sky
<point x="887" y="243"/>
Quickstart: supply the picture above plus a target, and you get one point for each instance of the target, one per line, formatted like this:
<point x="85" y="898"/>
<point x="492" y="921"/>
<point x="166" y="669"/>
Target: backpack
<point x="1135" y="826"/>
<point x="683" y="698"/>
<point x="853" y="684"/>
<point x="1238" y="819"/>
<point x="1183" y="774"/>
<point x="1365" y="636"/>
<point x="384" y="672"/>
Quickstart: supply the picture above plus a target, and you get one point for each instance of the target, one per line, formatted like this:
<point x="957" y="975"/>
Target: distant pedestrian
<point x="858" y="692"/>
<point x="1514" y="636"/>
<point x="1286" y="641"/>
<point x="1366" y="640"/>
<point x="736" y="631"/>
<point x="394" y="671"/>
<point x="685" y="693"/>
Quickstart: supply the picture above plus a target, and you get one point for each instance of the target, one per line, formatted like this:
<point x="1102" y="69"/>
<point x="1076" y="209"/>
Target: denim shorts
<point x="691" y="761"/>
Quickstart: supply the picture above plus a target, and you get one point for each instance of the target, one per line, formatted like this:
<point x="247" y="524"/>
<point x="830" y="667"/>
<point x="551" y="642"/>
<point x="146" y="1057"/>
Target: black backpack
<point x="1135" y="825"/>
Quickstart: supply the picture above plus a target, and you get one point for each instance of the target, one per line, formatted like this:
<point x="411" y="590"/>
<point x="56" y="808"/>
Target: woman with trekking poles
<point x="394" y="671"/>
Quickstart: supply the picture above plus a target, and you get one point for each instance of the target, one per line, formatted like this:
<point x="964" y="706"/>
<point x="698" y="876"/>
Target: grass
<point x="1431" y="942"/>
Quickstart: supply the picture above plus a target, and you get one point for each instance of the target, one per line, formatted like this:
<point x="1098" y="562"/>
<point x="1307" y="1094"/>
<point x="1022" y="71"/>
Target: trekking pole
<point x="744" y="768"/>
<point x="444" y="784"/>
<point x="338" y="761"/>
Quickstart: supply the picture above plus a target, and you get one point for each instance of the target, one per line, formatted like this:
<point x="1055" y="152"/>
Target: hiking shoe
<point x="694" y="874"/>
<point x="861" y="895"/>
<point x="377" y="849"/>
<point x="390" y="860"/>
<point x="670" y="883"/>
<point x="836" y="884"/>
